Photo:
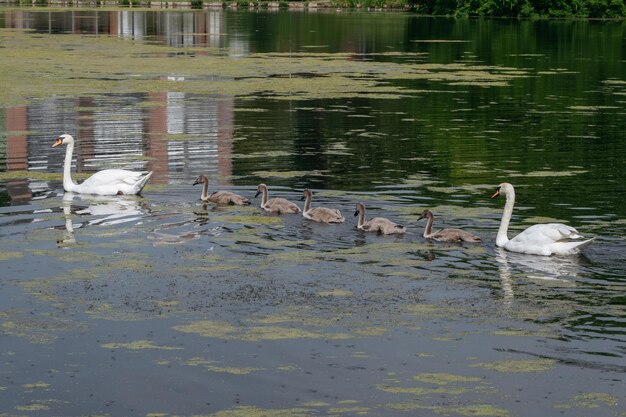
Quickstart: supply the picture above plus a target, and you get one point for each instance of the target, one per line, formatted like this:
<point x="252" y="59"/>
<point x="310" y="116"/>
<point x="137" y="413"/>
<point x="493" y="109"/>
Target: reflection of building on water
<point x="182" y="28"/>
<point x="176" y="135"/>
<point x="17" y="152"/>
<point x="207" y="132"/>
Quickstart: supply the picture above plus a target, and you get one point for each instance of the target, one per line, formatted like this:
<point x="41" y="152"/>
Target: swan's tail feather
<point x="571" y="247"/>
<point x="142" y="182"/>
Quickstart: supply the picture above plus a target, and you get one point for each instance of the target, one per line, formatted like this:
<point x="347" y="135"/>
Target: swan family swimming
<point x="540" y="239"/>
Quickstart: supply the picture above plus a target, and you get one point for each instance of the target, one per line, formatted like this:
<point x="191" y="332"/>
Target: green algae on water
<point x="288" y="174"/>
<point x="518" y="366"/>
<point x="214" y="367"/>
<point x="478" y="410"/>
<point x="335" y="293"/>
<point x="6" y="256"/>
<point x="223" y="330"/>
<point x="251" y="411"/>
<point x="35" y="385"/>
<point x="421" y="391"/>
<point x="591" y="400"/>
<point x="209" y="328"/>
<point x="443" y="379"/>
<point x="138" y="345"/>
<point x="351" y="411"/>
<point x="39" y="66"/>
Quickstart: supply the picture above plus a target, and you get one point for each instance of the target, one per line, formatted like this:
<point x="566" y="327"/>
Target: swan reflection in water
<point x="562" y="271"/>
<point x="107" y="210"/>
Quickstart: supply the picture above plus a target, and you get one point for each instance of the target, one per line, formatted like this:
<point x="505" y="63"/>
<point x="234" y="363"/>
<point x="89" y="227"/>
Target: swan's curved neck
<point x="501" y="238"/>
<point x="68" y="183"/>
<point x="307" y="201"/>
<point x="361" y="218"/>
<point x="205" y="191"/>
<point x="264" y="197"/>
<point x="429" y="225"/>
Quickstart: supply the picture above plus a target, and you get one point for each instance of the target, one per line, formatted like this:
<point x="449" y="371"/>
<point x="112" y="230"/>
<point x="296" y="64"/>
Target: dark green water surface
<point x="161" y="306"/>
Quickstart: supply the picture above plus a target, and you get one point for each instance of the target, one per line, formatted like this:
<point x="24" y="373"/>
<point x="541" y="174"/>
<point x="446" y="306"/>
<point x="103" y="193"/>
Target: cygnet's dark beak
<point x="257" y="194"/>
<point x="196" y="182"/>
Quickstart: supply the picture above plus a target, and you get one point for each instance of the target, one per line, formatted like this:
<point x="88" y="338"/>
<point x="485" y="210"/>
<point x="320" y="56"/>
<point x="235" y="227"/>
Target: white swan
<point x="540" y="239"/>
<point x="105" y="182"/>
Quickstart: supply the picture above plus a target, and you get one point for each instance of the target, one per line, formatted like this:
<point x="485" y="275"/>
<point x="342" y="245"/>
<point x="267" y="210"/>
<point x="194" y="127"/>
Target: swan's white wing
<point x="114" y="181"/>
<point x="110" y="177"/>
<point x="541" y="239"/>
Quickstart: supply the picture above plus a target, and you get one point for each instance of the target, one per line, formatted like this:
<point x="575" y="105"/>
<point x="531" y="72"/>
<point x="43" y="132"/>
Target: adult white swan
<point x="539" y="239"/>
<point x="105" y="182"/>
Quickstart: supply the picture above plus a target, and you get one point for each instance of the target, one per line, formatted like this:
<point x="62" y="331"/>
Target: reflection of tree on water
<point x="109" y="210"/>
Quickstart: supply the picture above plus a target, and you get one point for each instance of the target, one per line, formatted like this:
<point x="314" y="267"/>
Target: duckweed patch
<point x="208" y="328"/>
<point x="595" y="400"/>
<point x="484" y="410"/>
<point x="548" y="173"/>
<point x="349" y="410"/>
<point x="278" y="333"/>
<point x="36" y="385"/>
<point x="421" y="391"/>
<point x="518" y="366"/>
<point x="443" y="379"/>
<point x="6" y="256"/>
<point x="250" y="411"/>
<point x="429" y="311"/>
<point x="138" y="345"/>
<point x="156" y="68"/>
<point x="260" y="241"/>
<point x="287" y="174"/>
<point x="222" y="330"/>
<point x="479" y="410"/>
<point x="38" y="330"/>
<point x="335" y="293"/>
<point x="304" y="316"/>
<point x="107" y="311"/>
<point x="214" y="367"/>
<point x="32" y="407"/>
<point x="247" y="220"/>
<point x="33" y="175"/>
<point x="262" y="155"/>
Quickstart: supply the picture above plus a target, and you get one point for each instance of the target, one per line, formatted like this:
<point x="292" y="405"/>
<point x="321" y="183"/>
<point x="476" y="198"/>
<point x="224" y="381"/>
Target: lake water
<point x="161" y="306"/>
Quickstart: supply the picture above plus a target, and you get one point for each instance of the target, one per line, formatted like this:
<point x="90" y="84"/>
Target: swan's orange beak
<point x="496" y="194"/>
<point x="58" y="142"/>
